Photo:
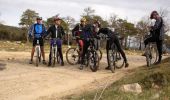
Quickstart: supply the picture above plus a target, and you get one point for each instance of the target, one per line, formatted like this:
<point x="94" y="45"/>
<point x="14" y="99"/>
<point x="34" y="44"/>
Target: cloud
<point x="133" y="10"/>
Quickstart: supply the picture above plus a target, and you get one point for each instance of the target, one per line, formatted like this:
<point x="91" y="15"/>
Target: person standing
<point x="37" y="31"/>
<point x="56" y="31"/>
<point x="157" y="31"/>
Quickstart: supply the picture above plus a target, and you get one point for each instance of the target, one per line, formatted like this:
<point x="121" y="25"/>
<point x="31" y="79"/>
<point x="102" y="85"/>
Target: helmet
<point x="97" y="22"/>
<point x="83" y="19"/>
<point x="39" y="18"/>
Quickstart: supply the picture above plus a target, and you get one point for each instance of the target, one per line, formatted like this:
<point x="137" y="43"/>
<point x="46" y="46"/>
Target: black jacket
<point x="158" y="29"/>
<point x="52" y="32"/>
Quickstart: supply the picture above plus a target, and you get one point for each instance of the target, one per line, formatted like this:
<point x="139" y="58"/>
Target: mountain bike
<point x="73" y="55"/>
<point x="115" y="58"/>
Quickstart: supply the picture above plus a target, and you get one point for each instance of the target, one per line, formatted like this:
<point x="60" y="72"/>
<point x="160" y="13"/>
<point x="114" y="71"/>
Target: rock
<point x="156" y="96"/>
<point x="12" y="48"/>
<point x="18" y="42"/>
<point x="135" y="88"/>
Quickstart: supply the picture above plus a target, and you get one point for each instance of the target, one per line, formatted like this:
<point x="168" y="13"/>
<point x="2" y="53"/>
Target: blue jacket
<point x="37" y="30"/>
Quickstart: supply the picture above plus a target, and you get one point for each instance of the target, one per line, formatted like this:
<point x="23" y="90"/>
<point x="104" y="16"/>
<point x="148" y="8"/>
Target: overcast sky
<point x="132" y="10"/>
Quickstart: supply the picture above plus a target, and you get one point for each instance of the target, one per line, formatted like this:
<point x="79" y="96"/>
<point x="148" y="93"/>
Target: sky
<point x="132" y="10"/>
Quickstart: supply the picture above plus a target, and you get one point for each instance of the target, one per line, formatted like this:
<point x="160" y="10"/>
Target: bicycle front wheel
<point x="94" y="61"/>
<point x="72" y="56"/>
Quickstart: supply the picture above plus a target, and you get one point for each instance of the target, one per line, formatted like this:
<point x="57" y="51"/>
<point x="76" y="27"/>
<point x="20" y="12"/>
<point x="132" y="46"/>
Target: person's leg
<point x="59" y="49"/>
<point x="42" y="50"/>
<point x="117" y="43"/>
<point x="49" y="63"/>
<point x="159" y="48"/>
<point x="85" y="47"/>
<point x="33" y="50"/>
<point x="107" y="51"/>
<point x="32" y="54"/>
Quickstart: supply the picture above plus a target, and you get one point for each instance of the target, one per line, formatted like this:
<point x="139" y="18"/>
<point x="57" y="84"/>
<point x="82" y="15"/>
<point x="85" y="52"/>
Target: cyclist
<point x="56" y="31"/>
<point x="87" y="34"/>
<point x="157" y="32"/>
<point x="77" y="32"/>
<point x="112" y="39"/>
<point x="37" y="31"/>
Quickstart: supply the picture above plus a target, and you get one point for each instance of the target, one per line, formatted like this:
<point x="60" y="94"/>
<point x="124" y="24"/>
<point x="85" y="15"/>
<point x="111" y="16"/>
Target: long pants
<point x="59" y="49"/>
<point x="85" y="48"/>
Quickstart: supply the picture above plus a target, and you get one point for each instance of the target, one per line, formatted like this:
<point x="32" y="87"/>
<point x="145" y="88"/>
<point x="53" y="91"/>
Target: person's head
<point x="154" y="15"/>
<point x="57" y="20"/>
<point x="83" y="21"/>
<point x="39" y="20"/>
<point x="97" y="25"/>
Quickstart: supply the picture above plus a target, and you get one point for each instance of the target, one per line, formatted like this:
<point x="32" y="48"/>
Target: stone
<point x="134" y="88"/>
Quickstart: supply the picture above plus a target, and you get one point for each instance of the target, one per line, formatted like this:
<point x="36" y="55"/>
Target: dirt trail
<point x="21" y="81"/>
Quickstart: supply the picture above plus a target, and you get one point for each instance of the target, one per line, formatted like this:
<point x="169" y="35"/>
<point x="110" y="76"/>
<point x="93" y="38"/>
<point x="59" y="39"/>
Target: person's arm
<point x="48" y="31"/>
<point x="44" y="31"/>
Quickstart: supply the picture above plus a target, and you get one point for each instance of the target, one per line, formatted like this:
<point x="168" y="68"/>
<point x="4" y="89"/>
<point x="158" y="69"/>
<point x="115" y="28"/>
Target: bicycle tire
<point x="94" y="59"/>
<point x="74" y="56"/>
<point x="111" y="61"/>
<point x="119" y="62"/>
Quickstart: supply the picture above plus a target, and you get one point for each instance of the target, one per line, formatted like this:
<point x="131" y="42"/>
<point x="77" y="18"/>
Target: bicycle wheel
<point x="37" y="57"/>
<point x="72" y="56"/>
<point x="111" y="60"/>
<point x="154" y="54"/>
<point x="119" y="61"/>
<point x="100" y="54"/>
<point x="94" y="61"/>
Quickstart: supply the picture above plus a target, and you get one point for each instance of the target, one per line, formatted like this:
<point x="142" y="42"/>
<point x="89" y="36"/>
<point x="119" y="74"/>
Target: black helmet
<point x="39" y="18"/>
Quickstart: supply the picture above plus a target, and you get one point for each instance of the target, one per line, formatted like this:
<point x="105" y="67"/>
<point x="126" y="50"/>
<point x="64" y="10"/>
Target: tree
<point x="101" y="20"/>
<point x="113" y="20"/>
<point x="164" y="13"/>
<point x="27" y="19"/>
<point x="88" y="14"/>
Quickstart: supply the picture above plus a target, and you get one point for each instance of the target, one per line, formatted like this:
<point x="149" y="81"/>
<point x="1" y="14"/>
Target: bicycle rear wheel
<point x="94" y="61"/>
<point x="72" y="56"/>
<point x="119" y="61"/>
